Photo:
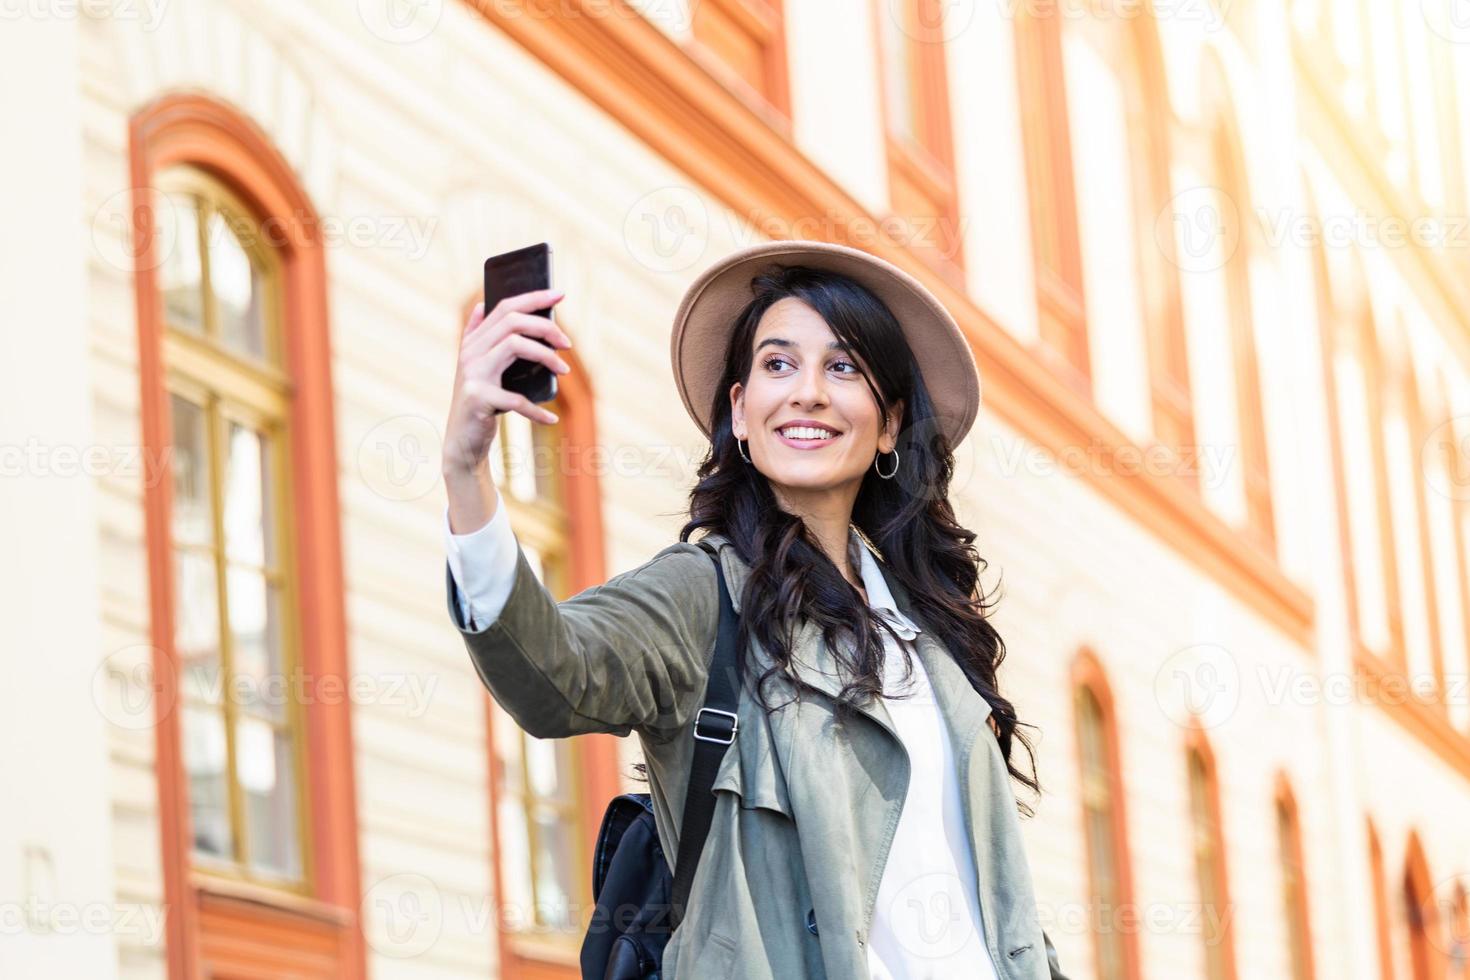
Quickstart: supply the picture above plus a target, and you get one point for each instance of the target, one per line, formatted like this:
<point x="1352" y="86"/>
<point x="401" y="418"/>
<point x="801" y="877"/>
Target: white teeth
<point x="806" y="432"/>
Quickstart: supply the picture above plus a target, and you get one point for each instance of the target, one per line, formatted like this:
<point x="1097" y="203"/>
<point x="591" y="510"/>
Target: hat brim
<point x="707" y="313"/>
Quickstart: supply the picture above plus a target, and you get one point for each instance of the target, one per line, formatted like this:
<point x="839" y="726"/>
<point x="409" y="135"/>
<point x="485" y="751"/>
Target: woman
<point x="865" y="822"/>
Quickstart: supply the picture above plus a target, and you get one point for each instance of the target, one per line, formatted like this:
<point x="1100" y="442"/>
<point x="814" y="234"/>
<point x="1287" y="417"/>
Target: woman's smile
<point x="807" y="435"/>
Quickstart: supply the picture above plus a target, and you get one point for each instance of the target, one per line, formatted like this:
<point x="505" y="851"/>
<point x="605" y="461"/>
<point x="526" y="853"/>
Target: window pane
<point x="267" y="781"/>
<point x="192" y="520"/>
<point x="255" y="637"/>
<point x="520" y="455"/>
<point x="196" y="626"/>
<point x="549" y="766"/>
<point x="515" y="862"/>
<point x="544" y="459"/>
<point x="555" y="864"/>
<point x="898" y="67"/>
<point x="248" y="515"/>
<point x="237" y="289"/>
<point x="209" y="798"/>
<point x="180" y="278"/>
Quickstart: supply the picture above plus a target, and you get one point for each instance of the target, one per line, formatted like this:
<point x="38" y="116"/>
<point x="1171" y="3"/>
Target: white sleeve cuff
<point x="483" y="564"/>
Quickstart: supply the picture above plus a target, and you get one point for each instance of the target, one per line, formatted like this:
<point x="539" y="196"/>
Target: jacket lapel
<point x="963" y="708"/>
<point x="811" y="660"/>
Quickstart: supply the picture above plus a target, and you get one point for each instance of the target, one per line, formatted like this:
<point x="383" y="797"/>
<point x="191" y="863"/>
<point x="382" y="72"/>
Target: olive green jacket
<point x="805" y="810"/>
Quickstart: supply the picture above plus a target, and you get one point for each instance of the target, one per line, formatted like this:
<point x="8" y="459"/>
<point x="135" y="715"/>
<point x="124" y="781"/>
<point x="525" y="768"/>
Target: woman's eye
<point x="770" y="362"/>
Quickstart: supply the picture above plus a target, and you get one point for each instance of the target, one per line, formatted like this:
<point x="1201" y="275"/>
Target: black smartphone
<point x="508" y="274"/>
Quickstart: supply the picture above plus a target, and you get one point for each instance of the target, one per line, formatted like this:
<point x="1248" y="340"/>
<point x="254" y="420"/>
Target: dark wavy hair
<point x="909" y="518"/>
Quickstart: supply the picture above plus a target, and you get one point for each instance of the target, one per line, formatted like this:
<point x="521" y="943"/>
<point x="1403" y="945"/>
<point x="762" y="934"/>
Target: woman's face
<point x="797" y="376"/>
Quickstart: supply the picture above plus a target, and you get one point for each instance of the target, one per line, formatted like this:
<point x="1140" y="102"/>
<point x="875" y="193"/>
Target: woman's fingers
<point x="529" y="349"/>
<point x="527" y="324"/>
<point x="538" y="299"/>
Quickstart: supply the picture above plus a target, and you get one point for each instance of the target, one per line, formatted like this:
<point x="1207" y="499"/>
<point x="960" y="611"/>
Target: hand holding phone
<point x="510" y="274"/>
<point x="515" y="330"/>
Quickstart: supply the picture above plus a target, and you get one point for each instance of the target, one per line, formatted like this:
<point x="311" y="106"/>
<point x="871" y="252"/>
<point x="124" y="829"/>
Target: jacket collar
<point x="880" y="596"/>
<point x="963" y="708"/>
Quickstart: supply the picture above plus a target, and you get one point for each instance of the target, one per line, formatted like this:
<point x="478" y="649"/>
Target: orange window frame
<point x="1427" y="960"/>
<point x="213" y="923"/>
<point x="597" y="762"/>
<point x="1352" y="333"/>
<point x="1229" y="171"/>
<point x="922" y="186"/>
<point x="1088" y="678"/>
<point x="743" y="43"/>
<point x="1208" y="830"/>
<point x="1052" y="195"/>
<point x="1295" y="891"/>
<point x="1380" y="905"/>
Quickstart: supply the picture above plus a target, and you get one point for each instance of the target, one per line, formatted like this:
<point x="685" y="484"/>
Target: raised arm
<point x="631" y="654"/>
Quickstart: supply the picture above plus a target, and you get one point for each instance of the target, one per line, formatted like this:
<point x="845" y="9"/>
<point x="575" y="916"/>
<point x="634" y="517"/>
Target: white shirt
<point x="926" y="920"/>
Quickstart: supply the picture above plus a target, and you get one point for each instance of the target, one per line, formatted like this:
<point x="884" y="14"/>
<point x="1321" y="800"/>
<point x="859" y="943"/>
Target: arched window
<point x="1407" y="413"/>
<point x="1449" y="466"/>
<point x="1105" y="824"/>
<point x="1229" y="178"/>
<point x="547" y="795"/>
<point x="1209" y="859"/>
<point x="920" y="146"/>
<point x="1426" y="947"/>
<point x="1459" y="933"/>
<point x="1131" y="271"/>
<point x="230" y="537"/>
<point x="743" y="41"/>
<point x="1047" y="141"/>
<point x="1356" y="389"/>
<point x="1293" y="882"/>
<point x="254" y="752"/>
<point x="1380" y="905"/>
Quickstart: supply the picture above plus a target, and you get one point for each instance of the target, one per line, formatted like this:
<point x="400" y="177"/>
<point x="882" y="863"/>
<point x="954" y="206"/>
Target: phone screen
<point x="508" y="274"/>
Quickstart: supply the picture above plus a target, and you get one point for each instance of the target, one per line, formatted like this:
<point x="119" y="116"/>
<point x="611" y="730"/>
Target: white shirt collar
<point x="880" y="598"/>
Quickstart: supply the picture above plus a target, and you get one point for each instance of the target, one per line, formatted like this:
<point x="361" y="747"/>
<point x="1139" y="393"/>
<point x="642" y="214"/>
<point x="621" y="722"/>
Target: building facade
<point x="1213" y="261"/>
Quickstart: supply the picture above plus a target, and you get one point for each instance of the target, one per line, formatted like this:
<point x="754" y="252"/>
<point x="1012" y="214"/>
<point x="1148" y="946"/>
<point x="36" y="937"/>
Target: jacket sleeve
<point x="1051" y="958"/>
<point x="631" y="654"/>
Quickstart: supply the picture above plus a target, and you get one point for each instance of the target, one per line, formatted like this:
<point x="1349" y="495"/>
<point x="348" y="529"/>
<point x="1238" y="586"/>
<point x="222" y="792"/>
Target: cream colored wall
<point x="990" y="167"/>
<point x="424" y="133"/>
<point x="61" y="907"/>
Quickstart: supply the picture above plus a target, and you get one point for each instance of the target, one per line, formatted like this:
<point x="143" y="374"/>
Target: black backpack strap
<point x="714" y="727"/>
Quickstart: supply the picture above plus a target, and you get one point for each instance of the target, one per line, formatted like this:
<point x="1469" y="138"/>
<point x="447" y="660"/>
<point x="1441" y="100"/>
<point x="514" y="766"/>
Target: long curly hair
<point x="909" y="518"/>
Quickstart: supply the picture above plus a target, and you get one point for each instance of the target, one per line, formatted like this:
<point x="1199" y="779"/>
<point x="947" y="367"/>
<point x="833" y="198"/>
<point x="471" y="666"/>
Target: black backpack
<point x="639" y="902"/>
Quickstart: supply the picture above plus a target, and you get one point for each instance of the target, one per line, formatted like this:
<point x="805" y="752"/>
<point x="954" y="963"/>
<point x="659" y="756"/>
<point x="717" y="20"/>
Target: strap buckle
<point x="734" y="726"/>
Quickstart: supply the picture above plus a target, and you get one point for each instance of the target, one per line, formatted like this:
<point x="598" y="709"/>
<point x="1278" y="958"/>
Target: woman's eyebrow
<point x="783" y="342"/>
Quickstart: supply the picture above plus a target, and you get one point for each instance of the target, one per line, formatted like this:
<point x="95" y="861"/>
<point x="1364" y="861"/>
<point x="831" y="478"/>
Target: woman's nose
<point x="812" y="388"/>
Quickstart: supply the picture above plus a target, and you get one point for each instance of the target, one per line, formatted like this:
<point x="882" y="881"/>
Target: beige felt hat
<point x="708" y="310"/>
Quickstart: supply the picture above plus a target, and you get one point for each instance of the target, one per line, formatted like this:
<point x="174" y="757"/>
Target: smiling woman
<point x="833" y="388"/>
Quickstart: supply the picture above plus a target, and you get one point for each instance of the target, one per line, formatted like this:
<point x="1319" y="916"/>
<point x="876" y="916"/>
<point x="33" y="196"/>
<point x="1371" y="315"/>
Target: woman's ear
<point x="737" y="409"/>
<point x="894" y="424"/>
